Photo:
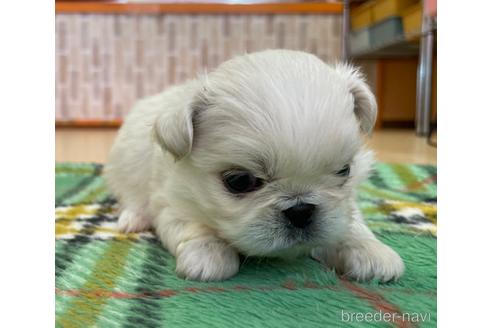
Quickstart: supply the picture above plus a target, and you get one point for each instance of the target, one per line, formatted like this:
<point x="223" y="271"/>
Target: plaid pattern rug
<point x="108" y="279"/>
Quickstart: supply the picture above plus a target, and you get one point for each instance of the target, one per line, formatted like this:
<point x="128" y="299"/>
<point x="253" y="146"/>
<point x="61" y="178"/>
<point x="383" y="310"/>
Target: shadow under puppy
<point x="260" y="157"/>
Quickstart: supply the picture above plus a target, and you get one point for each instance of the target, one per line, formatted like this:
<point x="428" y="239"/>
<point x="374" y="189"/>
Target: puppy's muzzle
<point x="300" y="215"/>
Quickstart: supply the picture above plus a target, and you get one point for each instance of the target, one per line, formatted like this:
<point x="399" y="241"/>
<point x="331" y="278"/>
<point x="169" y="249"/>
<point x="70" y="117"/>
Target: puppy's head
<point x="270" y="149"/>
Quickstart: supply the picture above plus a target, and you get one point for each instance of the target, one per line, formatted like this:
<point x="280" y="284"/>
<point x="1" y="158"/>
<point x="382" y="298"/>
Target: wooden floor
<point x="93" y="144"/>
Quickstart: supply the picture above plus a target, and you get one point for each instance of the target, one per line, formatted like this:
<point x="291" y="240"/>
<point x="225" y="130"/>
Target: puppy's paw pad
<point x="206" y="259"/>
<point x="370" y="259"/>
<point x="131" y="221"/>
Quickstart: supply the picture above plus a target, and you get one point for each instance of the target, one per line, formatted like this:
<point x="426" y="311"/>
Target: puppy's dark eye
<point x="345" y="171"/>
<point x="240" y="182"/>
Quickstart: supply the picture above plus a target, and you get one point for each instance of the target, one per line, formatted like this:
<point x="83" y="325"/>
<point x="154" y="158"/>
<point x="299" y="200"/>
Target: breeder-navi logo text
<point x="385" y="317"/>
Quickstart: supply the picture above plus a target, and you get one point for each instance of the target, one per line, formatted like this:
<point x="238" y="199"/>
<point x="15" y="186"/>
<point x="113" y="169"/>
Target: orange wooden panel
<point x="397" y="90"/>
<point x="399" y="83"/>
<point x="88" y="123"/>
<point x="198" y="8"/>
<point x="379" y="94"/>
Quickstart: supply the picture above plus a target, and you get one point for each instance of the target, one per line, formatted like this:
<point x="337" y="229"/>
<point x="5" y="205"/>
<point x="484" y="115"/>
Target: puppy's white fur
<point x="285" y="116"/>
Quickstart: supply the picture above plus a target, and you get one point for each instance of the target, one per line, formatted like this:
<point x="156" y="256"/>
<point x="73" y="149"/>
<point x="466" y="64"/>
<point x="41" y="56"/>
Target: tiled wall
<point x="104" y="63"/>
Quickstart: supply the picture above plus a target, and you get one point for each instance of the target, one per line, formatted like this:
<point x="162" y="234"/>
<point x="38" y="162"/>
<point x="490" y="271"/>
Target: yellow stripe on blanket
<point x="428" y="210"/>
<point x="78" y="211"/>
<point x="85" y="220"/>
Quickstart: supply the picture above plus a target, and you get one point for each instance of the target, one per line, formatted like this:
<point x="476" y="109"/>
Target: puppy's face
<point x="275" y="151"/>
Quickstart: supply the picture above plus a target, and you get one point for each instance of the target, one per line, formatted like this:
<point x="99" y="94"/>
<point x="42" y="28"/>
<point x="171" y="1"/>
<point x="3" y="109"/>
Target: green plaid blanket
<point x="108" y="279"/>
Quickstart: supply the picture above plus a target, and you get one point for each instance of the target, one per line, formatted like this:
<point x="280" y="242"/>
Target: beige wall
<point x="104" y="63"/>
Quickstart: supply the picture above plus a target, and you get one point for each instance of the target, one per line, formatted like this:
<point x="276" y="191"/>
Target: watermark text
<point x="381" y="316"/>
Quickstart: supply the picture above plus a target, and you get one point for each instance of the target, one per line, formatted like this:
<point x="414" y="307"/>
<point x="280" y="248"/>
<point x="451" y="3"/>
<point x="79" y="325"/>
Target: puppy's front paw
<point x="132" y="221"/>
<point x="206" y="259"/>
<point x="368" y="259"/>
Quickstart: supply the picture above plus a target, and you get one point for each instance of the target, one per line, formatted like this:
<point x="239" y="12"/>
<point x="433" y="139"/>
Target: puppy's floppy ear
<point x="365" y="106"/>
<point x="173" y="129"/>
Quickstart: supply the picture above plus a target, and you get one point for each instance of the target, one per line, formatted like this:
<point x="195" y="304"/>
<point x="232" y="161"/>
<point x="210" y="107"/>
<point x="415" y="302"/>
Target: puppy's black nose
<point x="300" y="215"/>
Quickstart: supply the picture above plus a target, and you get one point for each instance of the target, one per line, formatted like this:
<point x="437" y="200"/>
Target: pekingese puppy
<point x="260" y="157"/>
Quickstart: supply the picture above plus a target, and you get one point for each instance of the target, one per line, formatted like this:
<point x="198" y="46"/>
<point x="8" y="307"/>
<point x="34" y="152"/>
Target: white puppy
<point x="260" y="157"/>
